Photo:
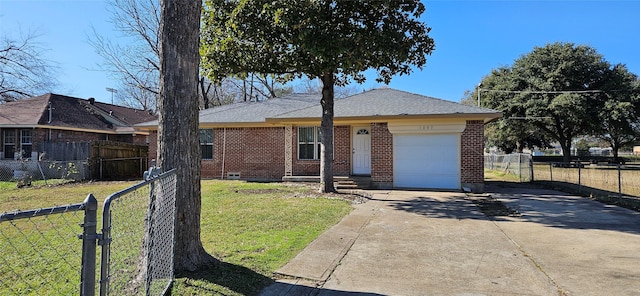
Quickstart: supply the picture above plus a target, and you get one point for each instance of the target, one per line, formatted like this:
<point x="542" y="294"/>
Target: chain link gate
<point x="135" y="246"/>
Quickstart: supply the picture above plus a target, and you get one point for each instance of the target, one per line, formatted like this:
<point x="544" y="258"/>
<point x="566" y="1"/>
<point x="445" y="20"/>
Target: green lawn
<point x="251" y="228"/>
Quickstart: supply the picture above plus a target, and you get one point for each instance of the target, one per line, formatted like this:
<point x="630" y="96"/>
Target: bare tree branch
<point x="23" y="71"/>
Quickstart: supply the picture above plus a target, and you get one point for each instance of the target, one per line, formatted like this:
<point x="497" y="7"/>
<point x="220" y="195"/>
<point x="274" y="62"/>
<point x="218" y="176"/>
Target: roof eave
<point x="486" y="117"/>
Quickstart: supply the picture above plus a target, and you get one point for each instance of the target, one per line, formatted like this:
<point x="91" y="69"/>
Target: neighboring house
<point x="399" y="139"/>
<point x="51" y="118"/>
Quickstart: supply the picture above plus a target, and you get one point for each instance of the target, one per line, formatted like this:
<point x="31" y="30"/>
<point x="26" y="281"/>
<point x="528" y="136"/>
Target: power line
<point x="553" y="91"/>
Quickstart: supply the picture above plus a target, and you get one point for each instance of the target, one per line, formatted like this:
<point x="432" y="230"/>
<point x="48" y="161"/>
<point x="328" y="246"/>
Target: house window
<point x="206" y="143"/>
<point x="25" y="143"/>
<point x="9" y="146"/>
<point x="308" y="142"/>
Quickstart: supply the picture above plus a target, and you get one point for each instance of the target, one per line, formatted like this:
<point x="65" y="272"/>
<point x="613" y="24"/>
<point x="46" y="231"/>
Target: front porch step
<point x="339" y="182"/>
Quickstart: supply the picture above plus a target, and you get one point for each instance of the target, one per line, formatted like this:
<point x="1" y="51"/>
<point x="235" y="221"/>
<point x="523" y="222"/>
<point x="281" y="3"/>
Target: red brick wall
<point x="255" y="153"/>
<point x="342" y="150"/>
<point x="153" y="146"/>
<point x="140" y="140"/>
<point x="472" y="153"/>
<point x="39" y="136"/>
<point x="341" y="154"/>
<point x="302" y="167"/>
<point x="381" y="155"/>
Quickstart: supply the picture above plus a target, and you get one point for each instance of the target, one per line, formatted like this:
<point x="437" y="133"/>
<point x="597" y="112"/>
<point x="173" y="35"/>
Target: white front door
<point x="361" y="160"/>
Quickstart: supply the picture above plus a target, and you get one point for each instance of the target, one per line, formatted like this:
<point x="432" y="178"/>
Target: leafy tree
<point x="178" y="145"/>
<point x="619" y="116"/>
<point x="558" y="89"/>
<point x="23" y="71"/>
<point x="514" y="132"/>
<point x="332" y="40"/>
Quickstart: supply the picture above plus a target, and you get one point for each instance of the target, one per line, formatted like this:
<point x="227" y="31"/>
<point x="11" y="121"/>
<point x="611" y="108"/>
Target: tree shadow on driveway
<point x="533" y="204"/>
<point x="563" y="210"/>
<point x="437" y="208"/>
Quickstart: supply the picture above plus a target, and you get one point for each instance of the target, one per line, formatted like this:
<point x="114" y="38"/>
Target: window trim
<point x="315" y="142"/>
<point x="29" y="136"/>
<point x="5" y="144"/>
<point x="202" y="144"/>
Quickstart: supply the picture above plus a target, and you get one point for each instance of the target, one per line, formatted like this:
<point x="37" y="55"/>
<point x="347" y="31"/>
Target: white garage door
<point x="426" y="161"/>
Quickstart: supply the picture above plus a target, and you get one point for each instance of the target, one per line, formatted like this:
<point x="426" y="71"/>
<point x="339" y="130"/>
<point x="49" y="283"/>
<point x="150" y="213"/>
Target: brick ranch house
<point x="51" y="118"/>
<point x="399" y="139"/>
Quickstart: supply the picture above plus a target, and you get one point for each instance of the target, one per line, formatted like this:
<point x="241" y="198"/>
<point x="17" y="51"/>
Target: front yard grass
<point x="252" y="228"/>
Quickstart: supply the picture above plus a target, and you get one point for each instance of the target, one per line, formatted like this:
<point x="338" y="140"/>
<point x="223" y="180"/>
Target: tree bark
<point x="178" y="142"/>
<point x="566" y="150"/>
<point x="326" y="134"/>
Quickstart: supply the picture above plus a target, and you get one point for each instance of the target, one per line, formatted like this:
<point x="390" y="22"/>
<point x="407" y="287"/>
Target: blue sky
<point x="472" y="38"/>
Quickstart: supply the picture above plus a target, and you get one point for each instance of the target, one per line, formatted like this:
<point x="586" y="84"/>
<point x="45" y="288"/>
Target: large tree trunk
<point x="615" y="146"/>
<point x="178" y="143"/>
<point x="326" y="134"/>
<point x="566" y="150"/>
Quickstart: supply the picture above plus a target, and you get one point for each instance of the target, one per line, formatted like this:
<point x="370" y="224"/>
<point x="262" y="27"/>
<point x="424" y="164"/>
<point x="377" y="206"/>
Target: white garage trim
<point x="426" y="160"/>
<point x="427" y="128"/>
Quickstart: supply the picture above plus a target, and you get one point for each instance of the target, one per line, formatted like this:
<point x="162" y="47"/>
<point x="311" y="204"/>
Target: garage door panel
<point x="427" y="161"/>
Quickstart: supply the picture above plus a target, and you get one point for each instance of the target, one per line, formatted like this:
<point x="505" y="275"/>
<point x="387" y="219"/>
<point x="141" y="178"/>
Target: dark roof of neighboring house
<point x="70" y="112"/>
<point x="388" y="102"/>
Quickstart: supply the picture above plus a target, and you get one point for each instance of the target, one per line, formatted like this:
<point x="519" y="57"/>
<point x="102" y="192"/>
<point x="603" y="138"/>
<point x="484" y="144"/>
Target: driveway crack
<point x="561" y="291"/>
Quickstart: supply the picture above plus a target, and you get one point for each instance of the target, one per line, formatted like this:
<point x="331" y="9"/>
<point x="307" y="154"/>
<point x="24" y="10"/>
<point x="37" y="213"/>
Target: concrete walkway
<point x="438" y="243"/>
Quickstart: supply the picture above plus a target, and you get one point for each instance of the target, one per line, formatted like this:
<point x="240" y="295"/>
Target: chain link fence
<point x="27" y="172"/>
<point x="581" y="176"/>
<point x="596" y="179"/>
<point x="140" y="221"/>
<point x="41" y="253"/>
<point x="518" y="165"/>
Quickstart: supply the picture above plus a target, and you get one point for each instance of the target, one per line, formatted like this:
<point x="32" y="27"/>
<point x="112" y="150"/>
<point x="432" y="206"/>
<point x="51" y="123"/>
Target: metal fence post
<point x="619" y="182"/>
<point x="550" y="172"/>
<point x="531" y="171"/>
<point x="579" y="164"/>
<point x="150" y="233"/>
<point x="89" y="237"/>
<point x="520" y="166"/>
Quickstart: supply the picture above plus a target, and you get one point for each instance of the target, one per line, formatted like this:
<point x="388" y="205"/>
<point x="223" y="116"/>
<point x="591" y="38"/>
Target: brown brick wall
<point x="153" y="146"/>
<point x="381" y="154"/>
<point x="255" y="153"/>
<point x="341" y="154"/>
<point x="472" y="153"/>
<point x="39" y="136"/>
<point x="258" y="153"/>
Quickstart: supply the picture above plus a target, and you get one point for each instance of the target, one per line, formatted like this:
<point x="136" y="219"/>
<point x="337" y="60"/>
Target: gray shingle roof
<point x="377" y="102"/>
<point x="258" y="111"/>
<point x="388" y="102"/>
<point x="251" y="112"/>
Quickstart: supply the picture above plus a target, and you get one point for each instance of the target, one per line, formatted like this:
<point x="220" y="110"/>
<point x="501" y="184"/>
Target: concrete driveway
<point x="439" y="243"/>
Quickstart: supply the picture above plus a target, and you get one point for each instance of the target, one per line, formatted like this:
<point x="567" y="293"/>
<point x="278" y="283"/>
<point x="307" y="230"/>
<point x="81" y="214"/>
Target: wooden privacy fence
<point x="116" y="160"/>
<point x="107" y="160"/>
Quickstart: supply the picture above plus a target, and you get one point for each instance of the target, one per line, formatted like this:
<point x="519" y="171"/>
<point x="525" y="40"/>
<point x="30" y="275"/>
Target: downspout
<point x="50" y="113"/>
<point x="224" y="150"/>
<point x="50" y="119"/>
